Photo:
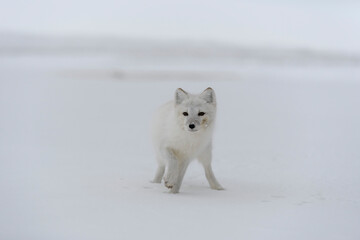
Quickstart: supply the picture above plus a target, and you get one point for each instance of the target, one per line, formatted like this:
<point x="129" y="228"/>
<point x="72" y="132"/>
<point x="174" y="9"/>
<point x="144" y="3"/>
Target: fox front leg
<point x="205" y="159"/>
<point x="175" y="171"/>
<point x="182" y="166"/>
<point x="172" y="168"/>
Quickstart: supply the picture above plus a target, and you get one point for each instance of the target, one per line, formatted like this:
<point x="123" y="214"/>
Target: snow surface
<point x="76" y="157"/>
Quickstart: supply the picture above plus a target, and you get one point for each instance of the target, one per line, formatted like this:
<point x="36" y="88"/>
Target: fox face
<point x="195" y="112"/>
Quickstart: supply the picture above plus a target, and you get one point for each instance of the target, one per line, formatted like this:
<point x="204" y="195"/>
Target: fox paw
<point x="168" y="185"/>
<point x="169" y="182"/>
<point x="217" y="187"/>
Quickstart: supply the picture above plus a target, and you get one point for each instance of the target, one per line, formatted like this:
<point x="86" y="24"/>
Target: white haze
<point x="327" y="25"/>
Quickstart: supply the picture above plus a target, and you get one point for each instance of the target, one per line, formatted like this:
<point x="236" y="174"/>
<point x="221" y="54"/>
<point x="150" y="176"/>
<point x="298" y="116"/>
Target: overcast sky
<point x="311" y="24"/>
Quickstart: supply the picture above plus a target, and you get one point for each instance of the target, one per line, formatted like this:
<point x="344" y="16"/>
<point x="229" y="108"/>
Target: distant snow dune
<point x="161" y="49"/>
<point x="76" y="156"/>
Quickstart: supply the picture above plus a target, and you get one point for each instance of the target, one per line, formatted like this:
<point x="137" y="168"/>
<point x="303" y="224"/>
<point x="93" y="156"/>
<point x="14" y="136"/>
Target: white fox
<point x="182" y="131"/>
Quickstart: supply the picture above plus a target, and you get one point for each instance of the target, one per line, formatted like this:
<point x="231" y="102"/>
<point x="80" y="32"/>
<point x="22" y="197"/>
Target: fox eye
<point x="201" y="113"/>
<point x="185" y="113"/>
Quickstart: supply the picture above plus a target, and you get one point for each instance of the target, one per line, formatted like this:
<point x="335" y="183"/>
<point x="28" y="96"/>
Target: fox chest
<point x="189" y="147"/>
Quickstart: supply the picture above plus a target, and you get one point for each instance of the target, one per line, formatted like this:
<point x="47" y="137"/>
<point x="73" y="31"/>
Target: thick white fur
<point x="176" y="143"/>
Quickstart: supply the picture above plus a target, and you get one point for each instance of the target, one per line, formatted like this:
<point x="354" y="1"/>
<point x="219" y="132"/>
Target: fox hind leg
<point x="160" y="171"/>
<point x="159" y="174"/>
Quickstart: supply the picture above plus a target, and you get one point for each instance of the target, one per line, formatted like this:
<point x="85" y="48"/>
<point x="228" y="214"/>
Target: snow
<point x="76" y="158"/>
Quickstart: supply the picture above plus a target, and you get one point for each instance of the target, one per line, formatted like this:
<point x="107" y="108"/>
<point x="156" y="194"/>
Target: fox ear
<point x="180" y="95"/>
<point x="208" y="95"/>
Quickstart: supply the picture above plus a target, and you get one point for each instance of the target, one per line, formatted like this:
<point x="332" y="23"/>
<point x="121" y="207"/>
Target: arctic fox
<point x="182" y="131"/>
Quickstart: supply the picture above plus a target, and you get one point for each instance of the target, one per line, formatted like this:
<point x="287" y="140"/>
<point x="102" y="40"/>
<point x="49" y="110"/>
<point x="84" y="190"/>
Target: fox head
<point x="195" y="112"/>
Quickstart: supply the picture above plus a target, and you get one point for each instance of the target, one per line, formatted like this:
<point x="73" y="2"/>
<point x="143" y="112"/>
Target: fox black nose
<point x="192" y="126"/>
